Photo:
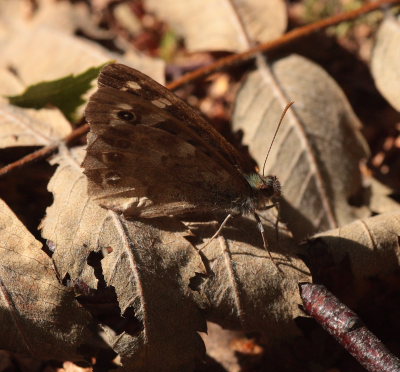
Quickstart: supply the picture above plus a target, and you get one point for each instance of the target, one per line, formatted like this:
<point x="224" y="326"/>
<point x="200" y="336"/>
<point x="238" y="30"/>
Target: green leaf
<point x="65" y="93"/>
<point x="169" y="45"/>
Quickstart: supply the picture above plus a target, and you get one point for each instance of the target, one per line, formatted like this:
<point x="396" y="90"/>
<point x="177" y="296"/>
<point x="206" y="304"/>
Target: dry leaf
<point x="71" y="367"/>
<point x="380" y="200"/>
<point x="149" y="268"/>
<point x="127" y="19"/>
<point x="318" y="148"/>
<point x="67" y="17"/>
<point x="63" y="16"/>
<point x="66" y="54"/>
<point x="154" y="271"/>
<point x="13" y="15"/>
<point x="246" y="291"/>
<point x="101" y="5"/>
<point x="221" y="21"/>
<point x="29" y="127"/>
<point x="218" y="342"/>
<point x="50" y="32"/>
<point x="363" y="250"/>
<point x="40" y="317"/>
<point x="385" y="62"/>
<point x="10" y="84"/>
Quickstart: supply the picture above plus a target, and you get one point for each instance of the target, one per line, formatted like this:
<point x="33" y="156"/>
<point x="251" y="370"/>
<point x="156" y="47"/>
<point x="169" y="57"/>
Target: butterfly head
<point x="266" y="188"/>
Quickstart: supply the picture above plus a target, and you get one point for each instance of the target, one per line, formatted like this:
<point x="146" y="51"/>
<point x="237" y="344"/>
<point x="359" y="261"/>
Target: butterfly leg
<point x="278" y="215"/>
<point x="268" y="207"/>
<point x="224" y="222"/>
<point x="278" y="210"/>
<point x="264" y="238"/>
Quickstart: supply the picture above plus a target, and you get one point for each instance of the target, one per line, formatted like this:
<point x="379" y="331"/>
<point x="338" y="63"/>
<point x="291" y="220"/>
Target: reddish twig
<point x="44" y="151"/>
<point x="347" y="328"/>
<point x="217" y="65"/>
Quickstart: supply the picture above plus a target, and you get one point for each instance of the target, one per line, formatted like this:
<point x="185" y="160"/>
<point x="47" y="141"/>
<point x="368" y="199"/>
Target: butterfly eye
<point x="126" y="115"/>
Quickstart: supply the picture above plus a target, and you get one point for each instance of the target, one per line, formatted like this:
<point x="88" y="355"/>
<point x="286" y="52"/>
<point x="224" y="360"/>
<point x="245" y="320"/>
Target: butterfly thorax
<point x="265" y="189"/>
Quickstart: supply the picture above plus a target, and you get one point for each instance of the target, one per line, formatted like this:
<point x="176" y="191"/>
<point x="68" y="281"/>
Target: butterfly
<point x="150" y="154"/>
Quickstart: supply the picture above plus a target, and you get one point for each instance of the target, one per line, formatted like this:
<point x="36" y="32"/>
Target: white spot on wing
<point x="186" y="149"/>
<point x="123" y="106"/>
<point x="133" y="85"/>
<point x="164" y="100"/>
<point x="161" y="102"/>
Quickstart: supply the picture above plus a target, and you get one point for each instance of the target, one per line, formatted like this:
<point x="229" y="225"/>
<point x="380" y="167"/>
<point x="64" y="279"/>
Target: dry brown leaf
<point x="13" y="15"/>
<point x="71" y="367"/>
<point x="380" y="200"/>
<point x="40" y="317"/>
<point x="246" y="291"/>
<point x="218" y="342"/>
<point x="101" y="5"/>
<point x="154" y="271"/>
<point x="26" y="36"/>
<point x="127" y="19"/>
<point x="317" y="151"/>
<point x="10" y="85"/>
<point x="69" y="17"/>
<point x="365" y="249"/>
<point x="57" y="15"/>
<point x="19" y="14"/>
<point x="66" y="54"/>
<point x="221" y="21"/>
<point x="29" y="127"/>
<point x="64" y="16"/>
<point x="385" y="62"/>
<point x="149" y="268"/>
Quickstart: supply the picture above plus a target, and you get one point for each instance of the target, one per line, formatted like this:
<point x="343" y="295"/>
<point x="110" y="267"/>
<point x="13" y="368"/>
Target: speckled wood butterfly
<point x="150" y="154"/>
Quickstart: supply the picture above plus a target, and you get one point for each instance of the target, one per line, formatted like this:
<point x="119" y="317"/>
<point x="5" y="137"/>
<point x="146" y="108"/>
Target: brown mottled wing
<point x="159" y="162"/>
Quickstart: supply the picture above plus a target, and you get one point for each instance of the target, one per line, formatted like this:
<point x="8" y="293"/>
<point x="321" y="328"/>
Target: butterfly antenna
<point x="276" y="132"/>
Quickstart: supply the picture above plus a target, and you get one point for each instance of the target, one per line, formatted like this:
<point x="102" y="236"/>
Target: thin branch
<point x="347" y="328"/>
<point x="44" y="151"/>
<point x="290" y="36"/>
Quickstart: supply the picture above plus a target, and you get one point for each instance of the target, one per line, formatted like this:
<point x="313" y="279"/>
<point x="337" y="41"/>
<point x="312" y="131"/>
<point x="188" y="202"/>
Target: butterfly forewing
<point x="149" y="154"/>
<point x="124" y="78"/>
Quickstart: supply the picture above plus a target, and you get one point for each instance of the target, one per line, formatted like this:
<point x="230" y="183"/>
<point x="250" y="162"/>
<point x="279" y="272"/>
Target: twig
<point x="217" y="65"/>
<point x="44" y="151"/>
<point x="347" y="328"/>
